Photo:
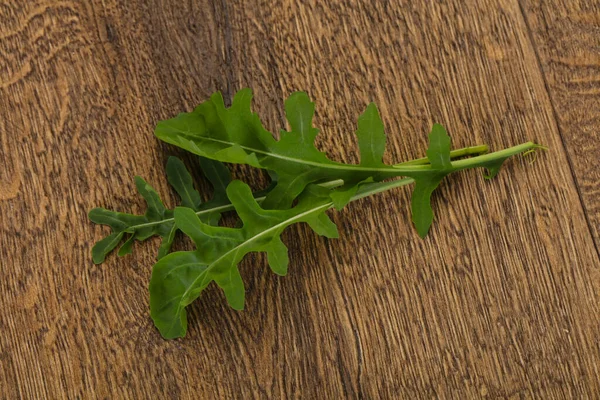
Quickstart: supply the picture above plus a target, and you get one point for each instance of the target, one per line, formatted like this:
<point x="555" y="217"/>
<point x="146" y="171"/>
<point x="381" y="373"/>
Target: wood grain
<point x="500" y="300"/>
<point x="567" y="44"/>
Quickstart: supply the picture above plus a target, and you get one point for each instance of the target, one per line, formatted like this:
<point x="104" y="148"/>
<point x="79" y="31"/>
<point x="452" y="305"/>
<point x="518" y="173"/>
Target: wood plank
<point x="566" y="37"/>
<point x="458" y="65"/>
<point x="82" y="85"/>
<point x="500" y="300"/>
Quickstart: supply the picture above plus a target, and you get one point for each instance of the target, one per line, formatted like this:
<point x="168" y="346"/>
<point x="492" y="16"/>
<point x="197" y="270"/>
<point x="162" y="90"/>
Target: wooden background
<point x="501" y="300"/>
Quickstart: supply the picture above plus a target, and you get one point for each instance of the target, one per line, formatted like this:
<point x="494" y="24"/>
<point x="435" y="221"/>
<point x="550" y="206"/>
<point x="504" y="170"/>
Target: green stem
<point x="367" y="190"/>
<point x="496" y="156"/>
<point x="465" y="151"/>
<point x="378" y="187"/>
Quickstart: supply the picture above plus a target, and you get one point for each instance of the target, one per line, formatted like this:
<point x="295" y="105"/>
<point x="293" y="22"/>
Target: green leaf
<point x="493" y="168"/>
<point x="126" y="247"/>
<point x="218" y="175"/>
<point x="277" y="256"/>
<point x="167" y="310"/>
<point x="300" y="111"/>
<point x="167" y="241"/>
<point x="371" y="137"/>
<point x="180" y="277"/>
<point x="105" y="246"/>
<point x="323" y="226"/>
<point x="438" y="152"/>
<point x="157" y="220"/>
<point x="236" y="135"/>
<point x="156" y="209"/>
<point x="181" y="180"/>
<point x="342" y="195"/>
<point x="422" y="213"/>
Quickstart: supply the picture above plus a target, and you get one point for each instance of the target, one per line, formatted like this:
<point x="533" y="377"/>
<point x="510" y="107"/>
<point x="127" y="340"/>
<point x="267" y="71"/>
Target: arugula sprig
<point x="158" y="220"/>
<point x="142" y="227"/>
<point x="178" y="279"/>
<point x="236" y="135"/>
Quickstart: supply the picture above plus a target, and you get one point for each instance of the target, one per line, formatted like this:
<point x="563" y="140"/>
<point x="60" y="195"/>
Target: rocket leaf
<point x="300" y="173"/>
<point x="236" y="135"/>
<point x="158" y="220"/>
<point x="179" y="278"/>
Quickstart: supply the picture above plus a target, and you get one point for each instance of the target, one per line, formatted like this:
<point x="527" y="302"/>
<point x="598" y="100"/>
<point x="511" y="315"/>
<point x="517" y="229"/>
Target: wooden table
<point x="500" y="300"/>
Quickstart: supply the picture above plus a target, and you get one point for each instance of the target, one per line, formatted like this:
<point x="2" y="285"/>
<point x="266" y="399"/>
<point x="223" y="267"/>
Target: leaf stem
<point x="378" y="187"/>
<point x="497" y="155"/>
<point x="368" y="189"/>
<point x="465" y="151"/>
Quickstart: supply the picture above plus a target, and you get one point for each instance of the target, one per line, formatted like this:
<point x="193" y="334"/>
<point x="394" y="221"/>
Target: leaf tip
<point x="98" y="256"/>
<point x="422" y="226"/>
<point x="423" y="232"/>
<point x="372" y="108"/>
<point x="173" y="160"/>
<point x="491" y="173"/>
<point x="140" y="183"/>
<point x="242" y="99"/>
<point x="299" y="95"/>
<point x="93" y="214"/>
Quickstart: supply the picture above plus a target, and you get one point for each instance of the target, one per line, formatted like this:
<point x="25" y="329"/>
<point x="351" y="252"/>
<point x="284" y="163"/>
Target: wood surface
<point x="501" y="300"/>
<point x="567" y="45"/>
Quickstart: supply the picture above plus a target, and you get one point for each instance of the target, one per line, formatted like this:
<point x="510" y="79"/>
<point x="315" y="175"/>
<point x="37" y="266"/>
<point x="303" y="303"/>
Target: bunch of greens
<point x="300" y="172"/>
